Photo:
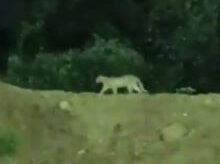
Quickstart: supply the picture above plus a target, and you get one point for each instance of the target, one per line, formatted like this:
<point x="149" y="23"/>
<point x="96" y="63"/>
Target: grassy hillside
<point x="56" y="127"/>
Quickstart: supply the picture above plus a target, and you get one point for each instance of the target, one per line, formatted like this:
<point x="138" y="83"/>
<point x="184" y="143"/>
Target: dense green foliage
<point x="76" y="70"/>
<point x="179" y="40"/>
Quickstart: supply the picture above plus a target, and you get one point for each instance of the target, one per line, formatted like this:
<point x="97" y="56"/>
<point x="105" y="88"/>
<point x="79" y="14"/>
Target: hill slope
<point x="59" y="127"/>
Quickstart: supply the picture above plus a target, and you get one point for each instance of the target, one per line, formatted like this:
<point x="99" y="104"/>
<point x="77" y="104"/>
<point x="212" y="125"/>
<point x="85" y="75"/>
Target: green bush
<point x="9" y="142"/>
<point x="76" y="70"/>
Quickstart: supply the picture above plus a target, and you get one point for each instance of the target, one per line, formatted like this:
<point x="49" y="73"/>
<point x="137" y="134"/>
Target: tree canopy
<point x="177" y="40"/>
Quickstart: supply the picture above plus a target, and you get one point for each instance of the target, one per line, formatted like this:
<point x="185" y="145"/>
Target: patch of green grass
<point x="9" y="142"/>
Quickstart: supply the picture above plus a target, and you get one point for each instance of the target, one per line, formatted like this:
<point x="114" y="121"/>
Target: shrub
<point x="76" y="70"/>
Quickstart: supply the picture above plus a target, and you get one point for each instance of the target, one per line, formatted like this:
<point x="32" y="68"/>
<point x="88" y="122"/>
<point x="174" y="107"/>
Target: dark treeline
<point x="178" y="41"/>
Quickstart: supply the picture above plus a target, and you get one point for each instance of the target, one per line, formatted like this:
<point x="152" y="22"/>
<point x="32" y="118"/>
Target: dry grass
<point x="113" y="129"/>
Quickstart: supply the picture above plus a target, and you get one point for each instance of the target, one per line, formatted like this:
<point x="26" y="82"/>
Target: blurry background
<point x="65" y="44"/>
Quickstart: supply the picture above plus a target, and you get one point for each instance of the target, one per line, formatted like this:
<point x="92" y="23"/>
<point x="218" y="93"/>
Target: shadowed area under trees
<point x="178" y="41"/>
